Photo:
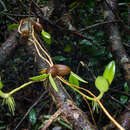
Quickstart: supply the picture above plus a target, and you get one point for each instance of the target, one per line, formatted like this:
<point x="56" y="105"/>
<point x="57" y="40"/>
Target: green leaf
<point x="101" y="84"/>
<point x="2" y="127"/>
<point x="109" y="71"/>
<point x="64" y="124"/>
<point x="1" y="84"/>
<point x="120" y="4"/>
<point x="53" y="83"/>
<point x="123" y="99"/>
<point x="67" y="48"/>
<point x="59" y="58"/>
<point x="46" y="37"/>
<point x="73" y="4"/>
<point x="12" y="26"/>
<point x="126" y="88"/>
<point x="77" y="77"/>
<point x="32" y="117"/>
<point x="73" y="80"/>
<point x="40" y="77"/>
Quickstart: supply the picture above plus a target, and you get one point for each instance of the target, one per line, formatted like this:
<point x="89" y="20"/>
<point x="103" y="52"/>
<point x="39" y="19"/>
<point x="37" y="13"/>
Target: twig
<point x="2" y="3"/>
<point x="87" y="68"/>
<point x="118" y="91"/>
<point x="17" y="15"/>
<point x="117" y="16"/>
<point x="36" y="102"/>
<point x="82" y="36"/>
<point x="114" y="99"/>
<point x="11" y="18"/>
<point x="52" y="118"/>
<point x="90" y="111"/>
<point x="98" y="24"/>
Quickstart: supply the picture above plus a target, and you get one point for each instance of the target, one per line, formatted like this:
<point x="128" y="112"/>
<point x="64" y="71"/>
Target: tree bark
<point x="8" y="47"/>
<point x="73" y="114"/>
<point x="114" y="37"/>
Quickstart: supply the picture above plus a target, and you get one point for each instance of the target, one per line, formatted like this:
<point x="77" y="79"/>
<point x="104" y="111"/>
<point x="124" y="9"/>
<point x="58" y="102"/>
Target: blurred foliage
<point x="66" y="49"/>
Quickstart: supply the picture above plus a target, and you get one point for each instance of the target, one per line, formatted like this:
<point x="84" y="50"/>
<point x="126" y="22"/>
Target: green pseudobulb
<point x="102" y="84"/>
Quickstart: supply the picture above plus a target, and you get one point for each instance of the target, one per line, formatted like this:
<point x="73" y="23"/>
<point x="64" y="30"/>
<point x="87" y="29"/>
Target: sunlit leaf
<point x="1" y="84"/>
<point x="32" y="117"/>
<point x="53" y="83"/>
<point x="101" y="84"/>
<point x="40" y="77"/>
<point x="12" y="26"/>
<point x="109" y="71"/>
<point x="46" y="37"/>
<point x="77" y="77"/>
<point x="73" y="80"/>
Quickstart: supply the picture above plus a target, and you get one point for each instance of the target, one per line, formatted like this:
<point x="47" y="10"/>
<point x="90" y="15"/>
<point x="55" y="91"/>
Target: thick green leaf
<point x="77" y="77"/>
<point x="64" y="124"/>
<point x="32" y="117"/>
<point x="73" y="80"/>
<point x="101" y="84"/>
<point x="40" y="77"/>
<point x="1" y="84"/>
<point x="12" y="26"/>
<point x="46" y="37"/>
<point x="126" y="88"/>
<point x="109" y="71"/>
<point x="53" y="83"/>
<point x="123" y="99"/>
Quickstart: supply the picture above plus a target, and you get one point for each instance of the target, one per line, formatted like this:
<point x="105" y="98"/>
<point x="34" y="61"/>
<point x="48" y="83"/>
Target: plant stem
<point x="22" y="86"/>
<point x="76" y="88"/>
<point x="100" y="95"/>
<point x="89" y="98"/>
<point x="4" y="95"/>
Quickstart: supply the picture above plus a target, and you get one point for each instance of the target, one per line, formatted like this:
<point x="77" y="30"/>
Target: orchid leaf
<point x="32" y="116"/>
<point x="46" y="37"/>
<point x="1" y="84"/>
<point x="73" y="80"/>
<point x="40" y="77"/>
<point x="101" y="84"/>
<point x="12" y="26"/>
<point x="109" y="71"/>
<point x="77" y="77"/>
<point x="53" y="83"/>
